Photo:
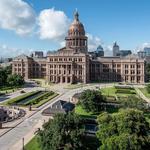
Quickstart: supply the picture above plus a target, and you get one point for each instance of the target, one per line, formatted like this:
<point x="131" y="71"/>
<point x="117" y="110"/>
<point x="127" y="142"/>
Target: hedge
<point x="125" y="91"/>
<point x="22" y="97"/>
<point x="39" y="98"/>
<point x="45" y="100"/>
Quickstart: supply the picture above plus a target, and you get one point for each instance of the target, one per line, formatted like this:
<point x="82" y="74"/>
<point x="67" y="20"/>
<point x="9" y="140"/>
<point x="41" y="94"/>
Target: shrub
<point x="39" y="98"/>
<point x="132" y="102"/>
<point x="22" y="97"/>
<point x="125" y="91"/>
<point x="148" y="88"/>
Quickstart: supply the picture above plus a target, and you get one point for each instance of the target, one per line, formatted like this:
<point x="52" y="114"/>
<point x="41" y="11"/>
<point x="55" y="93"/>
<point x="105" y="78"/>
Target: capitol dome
<point x="76" y="38"/>
<point x="76" y="28"/>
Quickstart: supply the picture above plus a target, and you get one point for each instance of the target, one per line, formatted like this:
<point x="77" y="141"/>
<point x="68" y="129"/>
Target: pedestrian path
<point x="142" y="95"/>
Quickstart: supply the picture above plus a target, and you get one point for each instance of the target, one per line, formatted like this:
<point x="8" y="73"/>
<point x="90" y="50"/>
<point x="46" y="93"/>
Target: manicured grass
<point x="33" y="145"/>
<point x="74" y="86"/>
<point x="144" y="91"/>
<point x="36" y="100"/>
<point x="20" y="98"/>
<point x="110" y="91"/>
<point x="119" y="92"/>
<point x="80" y="111"/>
<point x="40" y="103"/>
<point x="8" y="89"/>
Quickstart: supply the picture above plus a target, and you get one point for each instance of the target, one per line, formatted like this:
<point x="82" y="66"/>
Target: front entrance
<point x="68" y="79"/>
<point x="63" y="79"/>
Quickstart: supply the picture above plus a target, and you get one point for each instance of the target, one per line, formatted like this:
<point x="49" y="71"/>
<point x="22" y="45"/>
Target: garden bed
<point x="35" y="99"/>
<point x="118" y="92"/>
<point x="18" y="99"/>
<point x="43" y="100"/>
<point x="8" y="89"/>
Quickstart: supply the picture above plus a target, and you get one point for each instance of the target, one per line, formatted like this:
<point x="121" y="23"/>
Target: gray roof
<point x="23" y="56"/>
<point x="59" y="107"/>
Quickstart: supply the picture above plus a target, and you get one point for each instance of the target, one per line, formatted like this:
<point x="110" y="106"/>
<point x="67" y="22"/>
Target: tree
<point x="15" y="80"/>
<point x="148" y="88"/>
<point x="125" y="130"/>
<point x="3" y="77"/>
<point x="91" y="100"/>
<point x="147" y="70"/>
<point x="65" y="131"/>
<point x="133" y="102"/>
<point x="4" y="72"/>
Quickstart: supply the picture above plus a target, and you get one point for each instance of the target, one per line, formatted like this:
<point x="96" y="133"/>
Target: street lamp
<point x="23" y="144"/>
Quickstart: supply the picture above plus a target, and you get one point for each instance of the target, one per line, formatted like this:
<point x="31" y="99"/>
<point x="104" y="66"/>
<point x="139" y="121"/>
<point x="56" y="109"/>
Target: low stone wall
<point x="11" y="113"/>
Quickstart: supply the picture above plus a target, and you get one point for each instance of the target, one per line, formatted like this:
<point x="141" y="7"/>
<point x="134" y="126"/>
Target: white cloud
<point x="108" y="50"/>
<point x="141" y="47"/>
<point x="93" y="42"/>
<point x="12" y="52"/>
<point x="17" y="15"/>
<point x="53" y="25"/>
<point x="145" y="45"/>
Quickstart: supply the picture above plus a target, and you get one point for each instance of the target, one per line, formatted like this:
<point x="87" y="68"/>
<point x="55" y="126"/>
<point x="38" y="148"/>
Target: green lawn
<point x="110" y="91"/>
<point x="33" y="144"/>
<point x="8" y="89"/>
<point x="144" y="91"/>
<point x="40" y="103"/>
<point x="20" y="98"/>
<point x="74" y="86"/>
<point x="119" y="92"/>
<point x="80" y="111"/>
<point x="37" y="101"/>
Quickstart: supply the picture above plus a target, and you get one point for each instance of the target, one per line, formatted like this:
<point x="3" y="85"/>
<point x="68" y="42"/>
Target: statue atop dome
<point x="76" y="15"/>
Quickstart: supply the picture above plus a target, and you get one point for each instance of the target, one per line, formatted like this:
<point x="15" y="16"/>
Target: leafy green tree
<point x="4" y="72"/>
<point x="3" y="77"/>
<point x="147" y="70"/>
<point x="64" y="132"/>
<point x="148" y="88"/>
<point x="133" y="102"/>
<point x="91" y="100"/>
<point x="15" y="80"/>
<point x="125" y="130"/>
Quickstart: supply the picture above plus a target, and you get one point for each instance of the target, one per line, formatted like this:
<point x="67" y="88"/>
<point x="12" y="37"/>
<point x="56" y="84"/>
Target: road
<point x="13" y="139"/>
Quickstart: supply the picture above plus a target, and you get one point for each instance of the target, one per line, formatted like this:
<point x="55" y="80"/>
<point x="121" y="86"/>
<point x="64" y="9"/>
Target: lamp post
<point x="23" y="144"/>
<point x="0" y="125"/>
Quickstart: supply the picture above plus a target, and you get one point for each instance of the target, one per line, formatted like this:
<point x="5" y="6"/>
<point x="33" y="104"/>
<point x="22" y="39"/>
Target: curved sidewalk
<point x="142" y="95"/>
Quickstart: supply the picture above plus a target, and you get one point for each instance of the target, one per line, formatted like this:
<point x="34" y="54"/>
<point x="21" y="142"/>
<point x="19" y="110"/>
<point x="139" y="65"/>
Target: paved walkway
<point x="142" y="95"/>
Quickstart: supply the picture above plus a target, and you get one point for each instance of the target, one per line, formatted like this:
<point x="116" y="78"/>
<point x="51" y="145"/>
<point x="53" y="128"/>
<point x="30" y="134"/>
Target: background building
<point x="118" y="52"/>
<point x="147" y="51"/>
<point x="141" y="54"/>
<point x="73" y="63"/>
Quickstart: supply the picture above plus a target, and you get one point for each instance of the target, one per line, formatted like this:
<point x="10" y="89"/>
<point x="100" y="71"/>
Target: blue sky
<point x="106" y="21"/>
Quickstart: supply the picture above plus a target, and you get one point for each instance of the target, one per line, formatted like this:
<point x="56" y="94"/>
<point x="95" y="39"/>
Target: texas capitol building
<point x="74" y="64"/>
